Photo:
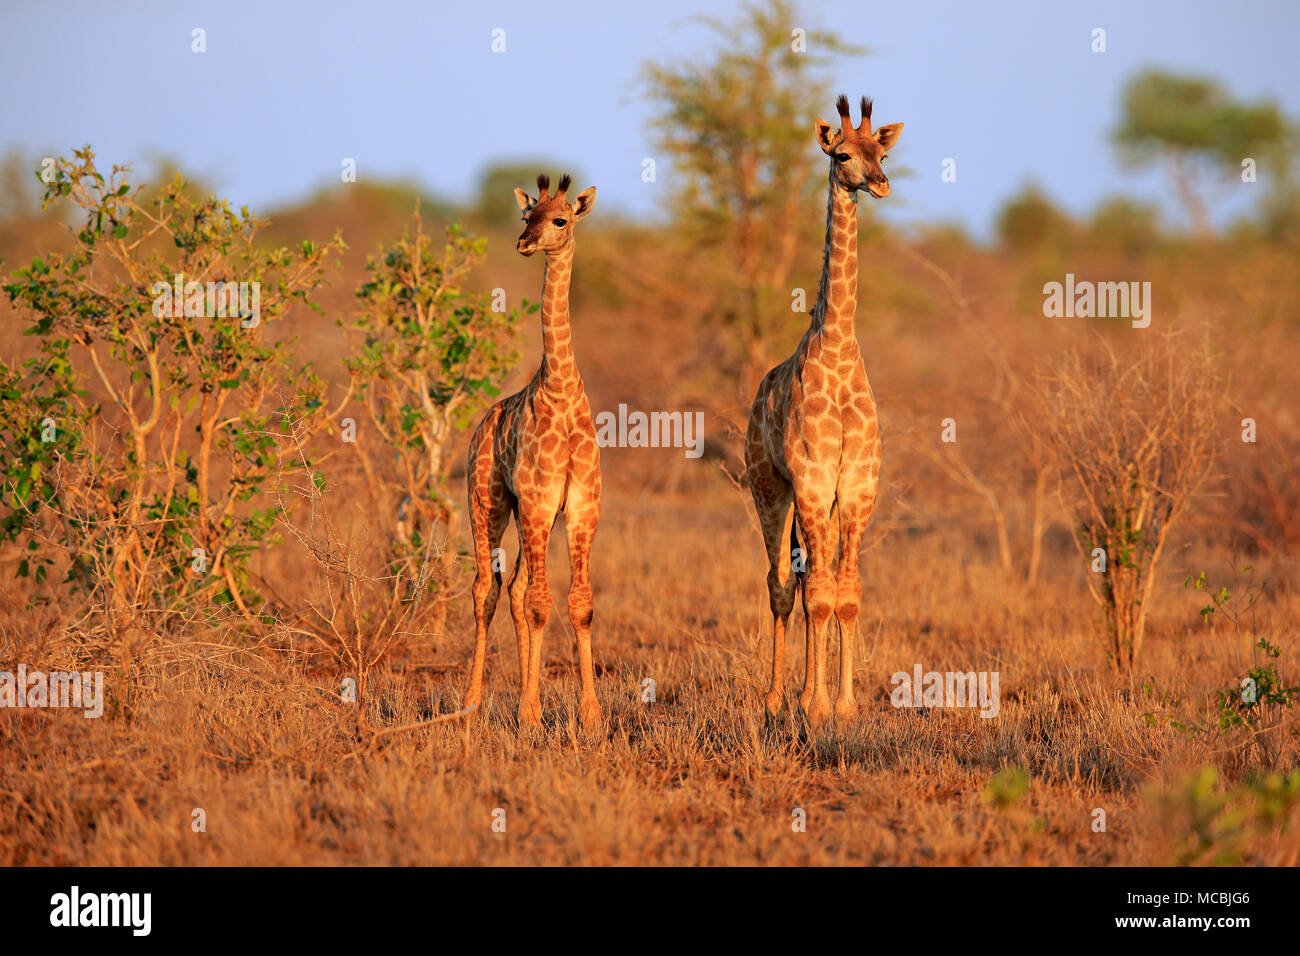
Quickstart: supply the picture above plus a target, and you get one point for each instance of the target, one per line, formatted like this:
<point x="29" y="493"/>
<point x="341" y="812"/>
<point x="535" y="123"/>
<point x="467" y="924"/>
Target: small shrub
<point x="1138" y="435"/>
<point x="1210" y="825"/>
<point x="138" y="439"/>
<point x="1259" y="707"/>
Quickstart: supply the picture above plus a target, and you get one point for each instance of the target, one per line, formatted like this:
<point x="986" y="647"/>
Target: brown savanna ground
<point x="249" y="729"/>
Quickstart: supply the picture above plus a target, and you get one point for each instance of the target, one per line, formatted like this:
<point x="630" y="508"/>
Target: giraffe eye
<point x="561" y="222"/>
<point x="841" y="157"/>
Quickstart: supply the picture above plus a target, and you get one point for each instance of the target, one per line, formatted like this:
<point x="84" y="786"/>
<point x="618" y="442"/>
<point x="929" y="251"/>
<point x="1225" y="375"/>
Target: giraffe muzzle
<point x="526" y="247"/>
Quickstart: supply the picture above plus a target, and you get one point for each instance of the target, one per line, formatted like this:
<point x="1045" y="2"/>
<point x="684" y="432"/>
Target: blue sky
<point x="285" y="91"/>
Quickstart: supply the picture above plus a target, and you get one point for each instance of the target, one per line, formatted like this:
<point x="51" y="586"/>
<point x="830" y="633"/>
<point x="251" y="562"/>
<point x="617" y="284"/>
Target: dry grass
<point x="254" y="736"/>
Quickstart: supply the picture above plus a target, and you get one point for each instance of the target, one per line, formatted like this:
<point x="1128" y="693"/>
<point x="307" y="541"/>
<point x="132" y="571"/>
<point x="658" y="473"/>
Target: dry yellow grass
<point x="250" y="734"/>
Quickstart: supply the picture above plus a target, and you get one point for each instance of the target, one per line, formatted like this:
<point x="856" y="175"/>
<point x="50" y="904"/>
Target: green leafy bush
<point x="136" y="442"/>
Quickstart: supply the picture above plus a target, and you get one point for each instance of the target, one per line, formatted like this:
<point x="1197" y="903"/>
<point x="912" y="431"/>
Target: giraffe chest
<point x="830" y="421"/>
<point x="547" y="437"/>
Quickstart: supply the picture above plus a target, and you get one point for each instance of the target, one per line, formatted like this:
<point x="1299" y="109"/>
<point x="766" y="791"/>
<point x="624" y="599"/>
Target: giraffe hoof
<point x="817" y="715"/>
<point x="845" y="709"/>
<point x="589" y="714"/>
<point x="774" y="704"/>
<point x="530" y="713"/>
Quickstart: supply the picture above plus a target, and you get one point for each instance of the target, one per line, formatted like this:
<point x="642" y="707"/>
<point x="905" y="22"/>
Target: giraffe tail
<point x="794" y="547"/>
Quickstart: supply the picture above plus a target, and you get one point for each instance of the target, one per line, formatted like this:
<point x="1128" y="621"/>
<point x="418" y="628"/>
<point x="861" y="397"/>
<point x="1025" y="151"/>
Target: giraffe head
<point x="551" y="218"/>
<point x="856" y="153"/>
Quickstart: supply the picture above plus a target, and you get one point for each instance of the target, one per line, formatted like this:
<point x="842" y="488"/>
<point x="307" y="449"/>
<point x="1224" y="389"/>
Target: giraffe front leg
<point x="848" y="595"/>
<point x="581" y="516"/>
<point x="815" y="699"/>
<point x="580" y="527"/>
<point x="819" y="601"/>
<point x="535" y="528"/>
<point x="846" y="707"/>
<point x="857" y="499"/>
<point x="819" y="605"/>
<point x="810" y="654"/>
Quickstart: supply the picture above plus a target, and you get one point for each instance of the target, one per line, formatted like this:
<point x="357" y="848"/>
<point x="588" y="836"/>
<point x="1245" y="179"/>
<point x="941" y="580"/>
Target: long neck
<point x="559" y="368"/>
<point x="834" y="314"/>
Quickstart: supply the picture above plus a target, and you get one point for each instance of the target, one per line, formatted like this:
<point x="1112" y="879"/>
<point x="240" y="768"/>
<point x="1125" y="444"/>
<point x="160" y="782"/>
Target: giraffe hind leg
<point x="535" y="524"/>
<point x="515" y="593"/>
<point x="489" y="514"/>
<point x="773" y="499"/>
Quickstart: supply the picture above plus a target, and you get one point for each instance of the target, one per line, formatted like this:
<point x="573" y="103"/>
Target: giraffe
<point x="813" y="439"/>
<point x="534" y="455"/>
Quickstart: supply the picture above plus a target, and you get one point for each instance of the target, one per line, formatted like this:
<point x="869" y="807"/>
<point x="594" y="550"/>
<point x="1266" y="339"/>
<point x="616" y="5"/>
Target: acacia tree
<point x="134" y="444"/>
<point x="738" y="131"/>
<point x="1201" y="133"/>
<point x="1137" y="433"/>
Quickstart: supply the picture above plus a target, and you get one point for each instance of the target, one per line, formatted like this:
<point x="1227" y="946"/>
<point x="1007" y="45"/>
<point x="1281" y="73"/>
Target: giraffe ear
<point x="584" y="203"/>
<point x="526" y="202"/>
<point x="887" y="136"/>
<point x="825" y="135"/>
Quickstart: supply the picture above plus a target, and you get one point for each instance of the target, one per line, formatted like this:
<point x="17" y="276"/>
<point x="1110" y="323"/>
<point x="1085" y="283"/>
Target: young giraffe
<point x="534" y="455"/>
<point x="813" y="439"/>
